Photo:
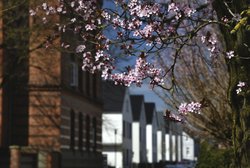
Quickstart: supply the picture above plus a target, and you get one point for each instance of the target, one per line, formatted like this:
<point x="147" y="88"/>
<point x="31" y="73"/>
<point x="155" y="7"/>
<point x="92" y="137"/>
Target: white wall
<point x="179" y="147"/>
<point x="136" y="142"/>
<point x="173" y="148"/>
<point x="159" y="145"/>
<point x="110" y="122"/>
<point x="151" y="134"/>
<point x="127" y="117"/>
<point x="188" y="147"/>
<point x="143" y="142"/>
<point x="149" y="143"/>
<point x="155" y="127"/>
<point x="167" y="147"/>
<point x="112" y="156"/>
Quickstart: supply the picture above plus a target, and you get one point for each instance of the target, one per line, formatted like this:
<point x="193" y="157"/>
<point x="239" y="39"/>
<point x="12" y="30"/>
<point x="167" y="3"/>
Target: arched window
<point x="87" y="133"/>
<point x="72" y="129"/>
<point x="80" y="130"/>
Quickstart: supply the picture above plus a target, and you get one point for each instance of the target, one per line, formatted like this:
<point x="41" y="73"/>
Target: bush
<point x="212" y="157"/>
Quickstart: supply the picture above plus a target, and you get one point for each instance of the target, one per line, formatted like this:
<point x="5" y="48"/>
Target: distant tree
<point x="200" y="78"/>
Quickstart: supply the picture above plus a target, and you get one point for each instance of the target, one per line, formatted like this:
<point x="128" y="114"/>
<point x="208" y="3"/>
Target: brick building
<point x="50" y="110"/>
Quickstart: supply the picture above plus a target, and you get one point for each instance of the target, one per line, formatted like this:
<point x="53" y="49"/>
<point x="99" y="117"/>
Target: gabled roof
<point x="149" y="110"/>
<point x="136" y="104"/>
<point x="113" y="97"/>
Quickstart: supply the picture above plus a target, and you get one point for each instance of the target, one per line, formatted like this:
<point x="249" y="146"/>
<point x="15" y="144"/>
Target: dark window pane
<point x="80" y="129"/>
<point x="72" y="129"/>
<point x="87" y="133"/>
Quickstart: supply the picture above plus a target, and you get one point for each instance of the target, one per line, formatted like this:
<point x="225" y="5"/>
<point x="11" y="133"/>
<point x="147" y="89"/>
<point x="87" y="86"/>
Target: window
<point x="127" y="157"/>
<point x="80" y="78"/>
<point x="94" y="85"/>
<point x="73" y="74"/>
<point x="124" y="157"/>
<point x="124" y="128"/>
<point x="87" y="133"/>
<point x="80" y="129"/>
<point x="187" y="150"/>
<point x="127" y="106"/>
<point x="87" y="83"/>
<point x="129" y="130"/>
<point x="140" y="134"/>
<point x="72" y="130"/>
<point x="94" y="134"/>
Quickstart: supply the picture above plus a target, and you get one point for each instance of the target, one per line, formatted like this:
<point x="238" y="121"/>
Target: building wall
<point x="159" y="145"/>
<point x="149" y="143"/>
<point x="48" y="100"/>
<point x="151" y="134"/>
<point x="72" y="108"/>
<point x="188" y="147"/>
<point x="174" y="152"/>
<point x="136" y="142"/>
<point x="116" y="159"/>
<point x="154" y="133"/>
<point x="15" y="49"/>
<point x="1" y="72"/>
<point x="110" y="123"/>
<point x="179" y="137"/>
<point x="127" y="133"/>
<point x="143" y="140"/>
<point x="44" y="120"/>
<point x="44" y="93"/>
<point x="167" y="147"/>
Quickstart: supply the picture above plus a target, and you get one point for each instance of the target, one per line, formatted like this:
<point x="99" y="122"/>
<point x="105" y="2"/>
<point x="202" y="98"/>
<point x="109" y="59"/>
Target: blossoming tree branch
<point x="141" y="29"/>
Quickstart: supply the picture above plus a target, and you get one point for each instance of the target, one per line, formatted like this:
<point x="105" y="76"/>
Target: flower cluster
<point x="211" y="43"/>
<point x="230" y="54"/>
<point x="142" y="70"/>
<point x="173" y="117"/>
<point x="136" y="8"/>
<point x="134" y="25"/>
<point x="240" y="85"/>
<point x="183" y="110"/>
<point x="192" y="107"/>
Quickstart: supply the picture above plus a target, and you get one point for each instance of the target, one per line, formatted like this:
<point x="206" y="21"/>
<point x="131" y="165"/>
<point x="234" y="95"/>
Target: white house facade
<point x="173" y="143"/>
<point x="151" y="132"/>
<point x="188" y="147"/>
<point x="161" y="142"/>
<point x="117" y="126"/>
<point x="138" y="129"/>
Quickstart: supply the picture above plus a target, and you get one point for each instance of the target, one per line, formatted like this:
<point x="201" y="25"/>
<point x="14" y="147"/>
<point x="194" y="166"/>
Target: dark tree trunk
<point x="239" y="70"/>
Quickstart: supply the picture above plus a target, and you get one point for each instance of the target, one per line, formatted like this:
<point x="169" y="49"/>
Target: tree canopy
<point x="143" y="30"/>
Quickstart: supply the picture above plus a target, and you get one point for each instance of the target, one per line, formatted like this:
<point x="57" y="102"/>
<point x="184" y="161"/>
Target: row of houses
<point x="134" y="134"/>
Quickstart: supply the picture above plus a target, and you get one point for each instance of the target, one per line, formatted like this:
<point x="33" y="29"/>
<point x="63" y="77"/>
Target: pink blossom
<point x="240" y="85"/>
<point x="193" y="107"/>
<point x="230" y="54"/>
<point x="32" y="12"/>
<point x="90" y="27"/>
<point x="141" y="71"/>
<point x="80" y="48"/>
<point x="137" y="25"/>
